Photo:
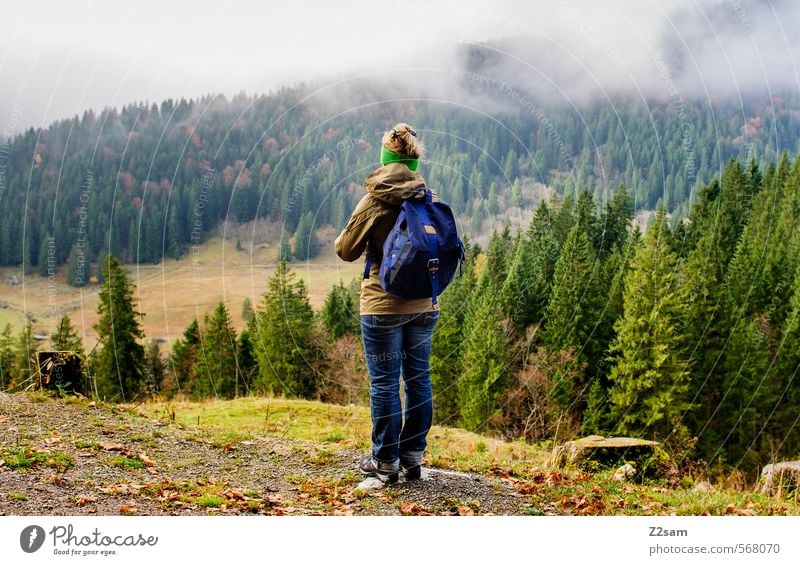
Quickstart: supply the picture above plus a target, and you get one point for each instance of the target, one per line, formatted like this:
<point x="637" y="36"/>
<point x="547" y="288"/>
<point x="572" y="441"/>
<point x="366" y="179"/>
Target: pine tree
<point x="247" y="363"/>
<point x="649" y="376"/>
<point x="77" y="266"/>
<point x="614" y="270"/>
<point x="66" y="337"/>
<point x="497" y="260"/>
<point x="484" y="372"/>
<point x="154" y="368"/>
<point x="573" y="315"/>
<point x="339" y="314"/>
<point x="25" y="361"/>
<point x="586" y="218"/>
<point x="182" y="362"/>
<point x="615" y="222"/>
<point x="7" y="358"/>
<point x="217" y="358"/>
<point x="306" y="245"/>
<point x="749" y="396"/>
<point x="248" y="314"/>
<point x="516" y="194"/>
<point x="526" y="289"/>
<point x="284" y="248"/>
<point x="787" y="371"/>
<point x="117" y="363"/>
<point x="47" y="259"/>
<point x="283" y="344"/>
<point x="447" y="342"/>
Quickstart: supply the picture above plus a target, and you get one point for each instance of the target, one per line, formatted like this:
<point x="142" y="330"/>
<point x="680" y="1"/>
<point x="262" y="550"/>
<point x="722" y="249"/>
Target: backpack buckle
<point x="433" y="265"/>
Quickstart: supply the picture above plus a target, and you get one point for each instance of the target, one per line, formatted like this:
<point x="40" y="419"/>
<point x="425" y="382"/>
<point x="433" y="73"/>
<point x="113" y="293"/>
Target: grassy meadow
<point x="173" y="292"/>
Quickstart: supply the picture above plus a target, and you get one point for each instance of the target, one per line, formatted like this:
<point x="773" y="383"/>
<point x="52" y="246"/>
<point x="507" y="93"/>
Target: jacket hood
<point x="393" y="183"/>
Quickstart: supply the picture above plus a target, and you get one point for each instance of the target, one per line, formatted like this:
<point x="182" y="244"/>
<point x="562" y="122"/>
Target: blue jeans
<point x="395" y="344"/>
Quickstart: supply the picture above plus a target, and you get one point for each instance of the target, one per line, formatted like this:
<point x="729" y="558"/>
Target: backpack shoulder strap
<point x="433" y="246"/>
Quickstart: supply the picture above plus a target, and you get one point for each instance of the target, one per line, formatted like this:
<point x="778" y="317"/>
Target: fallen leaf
<point x="53" y="440"/>
<point x="464" y="511"/>
<point x="3" y="419"/>
<point x="413" y="509"/>
<point x="730" y="509"/>
<point x="247" y="442"/>
<point x="143" y="457"/>
<point x="84" y="500"/>
<point x="112" y="447"/>
<point x="232" y="494"/>
<point x="528" y="488"/>
<point x="127" y="509"/>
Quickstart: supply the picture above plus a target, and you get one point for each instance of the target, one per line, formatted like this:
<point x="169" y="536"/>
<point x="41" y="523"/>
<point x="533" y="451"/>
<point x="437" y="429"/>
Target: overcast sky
<point x="60" y="58"/>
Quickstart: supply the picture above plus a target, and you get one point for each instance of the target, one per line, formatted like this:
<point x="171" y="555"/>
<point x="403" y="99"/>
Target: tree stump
<point x="61" y="371"/>
<point x="782" y="477"/>
<point x="598" y="452"/>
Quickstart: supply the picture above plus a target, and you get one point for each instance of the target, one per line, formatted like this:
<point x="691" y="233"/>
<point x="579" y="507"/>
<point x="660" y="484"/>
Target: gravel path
<point x="62" y="457"/>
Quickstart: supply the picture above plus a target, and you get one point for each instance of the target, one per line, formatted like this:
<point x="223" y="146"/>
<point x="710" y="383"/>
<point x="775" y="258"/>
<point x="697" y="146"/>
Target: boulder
<point x="782" y="477"/>
<point x="598" y="452"/>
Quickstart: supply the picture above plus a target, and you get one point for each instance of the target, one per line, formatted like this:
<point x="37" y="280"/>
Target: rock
<point x="777" y="478"/>
<point x="703" y="486"/>
<point x="595" y="452"/>
<point x="627" y="471"/>
<point x="370" y="483"/>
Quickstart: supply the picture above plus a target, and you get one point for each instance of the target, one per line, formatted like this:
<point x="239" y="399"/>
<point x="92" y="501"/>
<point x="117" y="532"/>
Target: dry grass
<point x="171" y="293"/>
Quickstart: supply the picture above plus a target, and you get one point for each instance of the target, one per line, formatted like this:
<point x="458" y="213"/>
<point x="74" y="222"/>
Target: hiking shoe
<point x="412" y="473"/>
<point x="384" y="472"/>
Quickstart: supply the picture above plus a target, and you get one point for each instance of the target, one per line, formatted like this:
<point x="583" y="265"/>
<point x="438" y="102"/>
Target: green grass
<point x="226" y="422"/>
<point x="12" y="317"/>
<point x="128" y="463"/>
<point x="18" y="496"/>
<point x="27" y="458"/>
<point x="209" y="501"/>
<point x="321" y="430"/>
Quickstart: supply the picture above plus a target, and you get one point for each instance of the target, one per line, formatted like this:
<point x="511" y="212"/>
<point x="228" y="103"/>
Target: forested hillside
<point x="150" y="180"/>
<point x="578" y="324"/>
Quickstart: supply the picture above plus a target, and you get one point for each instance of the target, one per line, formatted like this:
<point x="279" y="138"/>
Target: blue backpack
<point x="422" y="251"/>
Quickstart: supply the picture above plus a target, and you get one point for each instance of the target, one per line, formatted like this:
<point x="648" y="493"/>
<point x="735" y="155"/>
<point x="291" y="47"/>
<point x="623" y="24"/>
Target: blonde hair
<point x="403" y="139"/>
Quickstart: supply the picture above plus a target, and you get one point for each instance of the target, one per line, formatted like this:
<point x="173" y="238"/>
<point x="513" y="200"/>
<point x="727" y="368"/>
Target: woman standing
<point x="396" y="332"/>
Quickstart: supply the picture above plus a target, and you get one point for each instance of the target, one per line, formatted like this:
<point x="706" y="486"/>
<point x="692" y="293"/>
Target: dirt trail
<point x="73" y="458"/>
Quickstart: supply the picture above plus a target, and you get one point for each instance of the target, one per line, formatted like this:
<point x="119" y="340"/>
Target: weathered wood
<point x="62" y="371"/>
<point x="595" y="452"/>
<point x="780" y="477"/>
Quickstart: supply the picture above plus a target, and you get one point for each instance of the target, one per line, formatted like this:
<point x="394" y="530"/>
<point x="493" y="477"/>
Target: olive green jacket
<point x="387" y="188"/>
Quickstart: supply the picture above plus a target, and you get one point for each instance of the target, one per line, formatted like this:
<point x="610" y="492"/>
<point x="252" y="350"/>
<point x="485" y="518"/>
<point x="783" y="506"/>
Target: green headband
<point x="392" y="157"/>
